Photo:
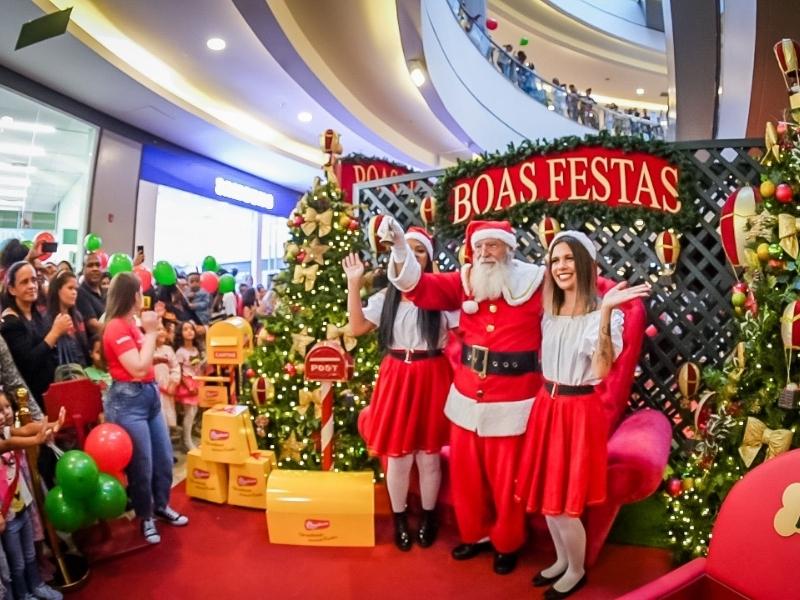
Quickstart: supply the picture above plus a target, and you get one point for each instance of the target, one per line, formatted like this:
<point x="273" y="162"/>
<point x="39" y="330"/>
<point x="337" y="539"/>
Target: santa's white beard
<point x="489" y="279"/>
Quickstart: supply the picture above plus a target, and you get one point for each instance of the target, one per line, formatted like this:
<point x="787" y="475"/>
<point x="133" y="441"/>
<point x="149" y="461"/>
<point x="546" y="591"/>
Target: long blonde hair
<point x="121" y="295"/>
<point x="585" y="275"/>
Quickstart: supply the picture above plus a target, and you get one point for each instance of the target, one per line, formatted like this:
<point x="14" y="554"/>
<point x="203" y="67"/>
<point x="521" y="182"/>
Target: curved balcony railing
<point x="581" y="109"/>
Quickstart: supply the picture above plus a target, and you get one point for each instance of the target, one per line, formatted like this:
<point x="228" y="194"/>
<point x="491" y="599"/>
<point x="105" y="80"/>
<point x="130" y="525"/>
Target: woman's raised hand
<point x="61" y="324"/>
<point x="353" y="267"/>
<point x="149" y="320"/>
<point x="621" y="293"/>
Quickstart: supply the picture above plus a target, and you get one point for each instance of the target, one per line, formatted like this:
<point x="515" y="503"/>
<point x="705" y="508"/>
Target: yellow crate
<point x="247" y="483"/>
<point x="204" y="479"/>
<point x="228" y="434"/>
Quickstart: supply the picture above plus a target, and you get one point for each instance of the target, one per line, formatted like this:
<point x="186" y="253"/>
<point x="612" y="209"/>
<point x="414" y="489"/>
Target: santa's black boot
<point x="428" y="528"/>
<point x="402" y="537"/>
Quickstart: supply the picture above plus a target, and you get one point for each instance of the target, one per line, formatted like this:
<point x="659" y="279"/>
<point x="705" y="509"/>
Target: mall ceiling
<point x="146" y="63"/>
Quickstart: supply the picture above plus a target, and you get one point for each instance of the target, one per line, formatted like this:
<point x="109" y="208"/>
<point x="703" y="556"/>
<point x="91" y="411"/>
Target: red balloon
<point x="209" y="282"/>
<point x="784" y="193"/>
<point x="103" y="258"/>
<point x="145" y="277"/>
<point x="121" y="477"/>
<point x="110" y="446"/>
<point x="491" y="24"/>
<point x="41" y="237"/>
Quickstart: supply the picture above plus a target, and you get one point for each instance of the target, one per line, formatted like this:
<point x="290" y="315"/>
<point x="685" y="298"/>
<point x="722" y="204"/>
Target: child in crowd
<point x="97" y="370"/>
<point x="199" y="299"/>
<point x="168" y="375"/>
<point x="26" y="580"/>
<point x="104" y="283"/>
<point x="190" y="357"/>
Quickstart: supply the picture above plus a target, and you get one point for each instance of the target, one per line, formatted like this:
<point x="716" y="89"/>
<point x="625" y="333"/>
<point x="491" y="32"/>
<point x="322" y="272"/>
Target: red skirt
<point x="563" y="467"/>
<point x="407" y="407"/>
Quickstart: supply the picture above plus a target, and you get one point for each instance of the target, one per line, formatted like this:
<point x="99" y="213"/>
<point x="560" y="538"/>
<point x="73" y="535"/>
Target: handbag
<point x="68" y="368"/>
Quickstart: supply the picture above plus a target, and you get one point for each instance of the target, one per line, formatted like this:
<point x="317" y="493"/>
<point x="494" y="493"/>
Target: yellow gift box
<point x="321" y="508"/>
<point x="247" y="483"/>
<point x="228" y="435"/>
<point x="206" y="480"/>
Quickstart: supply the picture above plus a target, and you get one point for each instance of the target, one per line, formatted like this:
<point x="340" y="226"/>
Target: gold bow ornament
<point x="315" y="252"/>
<point x="307" y="399"/>
<point x="756" y="434"/>
<point x="290" y="448"/>
<point x="771" y="144"/>
<point x="313" y="219"/>
<point x="787" y="232"/>
<point x="306" y="275"/>
<point x="300" y="342"/>
<point x="348" y="340"/>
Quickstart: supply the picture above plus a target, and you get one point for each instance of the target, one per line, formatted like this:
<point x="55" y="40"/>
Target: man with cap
<point x="494" y="384"/>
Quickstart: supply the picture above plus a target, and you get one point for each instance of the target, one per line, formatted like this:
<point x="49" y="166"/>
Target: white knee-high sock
<point x="429" y="467"/>
<point x="398" y="473"/>
<point x="574" y="537"/>
<point x="560" y="565"/>
<point x="189" y="413"/>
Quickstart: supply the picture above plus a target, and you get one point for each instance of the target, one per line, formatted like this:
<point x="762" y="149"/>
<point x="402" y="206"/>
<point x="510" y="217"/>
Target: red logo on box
<point x="244" y="480"/>
<point x="224" y="354"/>
<point x="216" y="434"/>
<point x="314" y="524"/>
<point x="200" y="474"/>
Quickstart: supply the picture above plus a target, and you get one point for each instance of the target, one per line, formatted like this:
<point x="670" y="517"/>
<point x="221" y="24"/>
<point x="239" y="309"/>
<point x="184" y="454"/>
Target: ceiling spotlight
<point x="640" y="91"/>
<point x="304" y="117"/>
<point x="417" y="71"/>
<point x="216" y="44"/>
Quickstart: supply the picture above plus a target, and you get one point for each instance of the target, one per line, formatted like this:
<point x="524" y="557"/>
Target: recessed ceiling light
<point x="640" y="91"/>
<point x="216" y="44"/>
<point x="304" y="117"/>
<point x="417" y="71"/>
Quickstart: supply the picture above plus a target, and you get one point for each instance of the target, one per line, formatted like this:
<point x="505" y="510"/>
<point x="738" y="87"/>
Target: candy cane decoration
<point x="326" y="391"/>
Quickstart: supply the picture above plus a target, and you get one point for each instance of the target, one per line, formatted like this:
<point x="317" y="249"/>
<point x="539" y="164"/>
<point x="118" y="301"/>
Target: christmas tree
<point x="312" y="306"/>
<point x="750" y="409"/>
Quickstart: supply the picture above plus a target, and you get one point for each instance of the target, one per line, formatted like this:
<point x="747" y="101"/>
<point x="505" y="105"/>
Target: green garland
<point x="571" y="211"/>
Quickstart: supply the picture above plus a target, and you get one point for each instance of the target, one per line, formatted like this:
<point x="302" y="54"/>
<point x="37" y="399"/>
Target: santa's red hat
<point x="423" y="237"/>
<point x="478" y="231"/>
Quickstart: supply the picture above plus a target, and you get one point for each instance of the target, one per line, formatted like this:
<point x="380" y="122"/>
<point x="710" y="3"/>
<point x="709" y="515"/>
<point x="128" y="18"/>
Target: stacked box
<point x="247" y="483"/>
<point x="228" y="435"/>
<point x="205" y="479"/>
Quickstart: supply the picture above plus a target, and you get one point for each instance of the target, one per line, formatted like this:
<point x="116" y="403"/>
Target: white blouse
<point x="406" y="332"/>
<point x="568" y="344"/>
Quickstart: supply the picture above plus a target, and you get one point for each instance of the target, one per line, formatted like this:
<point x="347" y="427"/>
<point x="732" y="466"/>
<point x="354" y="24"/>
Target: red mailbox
<point x="328" y="361"/>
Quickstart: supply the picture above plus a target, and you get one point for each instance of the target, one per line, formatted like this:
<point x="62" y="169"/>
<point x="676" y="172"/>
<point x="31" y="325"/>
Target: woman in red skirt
<point x="563" y="467"/>
<point x="407" y="421"/>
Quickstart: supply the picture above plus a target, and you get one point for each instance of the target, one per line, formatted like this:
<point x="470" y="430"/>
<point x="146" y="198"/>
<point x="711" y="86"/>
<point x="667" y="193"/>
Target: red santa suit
<point x="493" y="389"/>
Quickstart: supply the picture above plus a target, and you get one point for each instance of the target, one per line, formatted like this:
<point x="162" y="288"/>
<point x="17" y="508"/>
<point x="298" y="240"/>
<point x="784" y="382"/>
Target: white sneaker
<point x="172" y="516"/>
<point x="45" y="592"/>
<point x="150" y="532"/>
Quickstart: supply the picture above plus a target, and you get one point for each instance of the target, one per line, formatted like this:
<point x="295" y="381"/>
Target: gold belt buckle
<point x="480" y="355"/>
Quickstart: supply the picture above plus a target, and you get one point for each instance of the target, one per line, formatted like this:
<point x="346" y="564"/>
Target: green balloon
<point x="210" y="264"/>
<point x="28" y="244"/>
<point x="119" y="262"/>
<point x="77" y="474"/>
<point x="65" y="514"/>
<point x="92" y="242"/>
<point x="164" y="273"/>
<point x="227" y="283"/>
<point x="109" y="500"/>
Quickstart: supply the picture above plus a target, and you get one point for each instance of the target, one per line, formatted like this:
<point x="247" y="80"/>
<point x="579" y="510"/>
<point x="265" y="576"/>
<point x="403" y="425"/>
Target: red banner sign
<point x="604" y="175"/>
<point x="350" y="173"/>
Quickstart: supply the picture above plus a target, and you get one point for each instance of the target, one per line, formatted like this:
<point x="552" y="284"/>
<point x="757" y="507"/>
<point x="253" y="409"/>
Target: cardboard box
<point x="321" y="508"/>
<point x="247" y="483"/>
<point x="212" y="395"/>
<point x="228" y="434"/>
<point x="206" y="480"/>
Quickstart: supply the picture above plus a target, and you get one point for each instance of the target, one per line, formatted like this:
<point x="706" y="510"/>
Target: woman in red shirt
<point x="133" y="403"/>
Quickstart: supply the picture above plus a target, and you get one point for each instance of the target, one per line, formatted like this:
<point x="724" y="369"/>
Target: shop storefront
<point x="47" y="161"/>
<point x="190" y="207"/>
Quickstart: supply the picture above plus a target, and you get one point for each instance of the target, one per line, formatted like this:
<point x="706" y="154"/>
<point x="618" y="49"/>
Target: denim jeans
<point x="136" y="407"/>
<point x="21" y="554"/>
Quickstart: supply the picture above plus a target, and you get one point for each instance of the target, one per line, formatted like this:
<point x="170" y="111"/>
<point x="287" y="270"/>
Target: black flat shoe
<point x="467" y="551"/>
<point x="402" y="537"/>
<point x="554" y="594"/>
<point x="428" y="528"/>
<point x="504" y="563"/>
<point x="542" y="580"/>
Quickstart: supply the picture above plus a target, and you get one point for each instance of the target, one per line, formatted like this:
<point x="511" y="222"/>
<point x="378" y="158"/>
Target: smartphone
<point x="50" y="247"/>
<point x="145" y="302"/>
<point x="140" y="250"/>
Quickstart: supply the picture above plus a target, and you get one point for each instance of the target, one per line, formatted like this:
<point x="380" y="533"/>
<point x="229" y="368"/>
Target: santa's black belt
<point x="486" y="362"/>
<point x="559" y="389"/>
<point x="412" y="355"/>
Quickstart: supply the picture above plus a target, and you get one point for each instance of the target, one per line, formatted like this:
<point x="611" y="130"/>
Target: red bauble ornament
<point x="651" y="331"/>
<point x="250" y="373"/>
<point x="784" y="193"/>
<point x="781" y="128"/>
<point x="290" y="369"/>
<point x="261" y="391"/>
<point x="301" y="256"/>
<point x="353" y="225"/>
<point x="298" y="220"/>
<point x="295" y="308"/>
<point x="491" y="24"/>
<point x="674" y="487"/>
<point x="740" y="287"/>
<point x="775" y="264"/>
<point x="269" y="338"/>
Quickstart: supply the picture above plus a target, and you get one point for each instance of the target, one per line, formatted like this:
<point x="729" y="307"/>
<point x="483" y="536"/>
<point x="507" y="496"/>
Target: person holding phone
<point x="133" y="402"/>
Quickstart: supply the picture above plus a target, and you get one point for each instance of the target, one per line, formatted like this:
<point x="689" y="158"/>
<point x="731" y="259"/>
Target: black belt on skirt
<point x="485" y="362"/>
<point x="412" y="355"/>
<point x="559" y="389"/>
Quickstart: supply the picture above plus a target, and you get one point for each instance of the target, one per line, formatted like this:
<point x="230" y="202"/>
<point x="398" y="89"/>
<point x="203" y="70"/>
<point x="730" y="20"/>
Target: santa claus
<point x="494" y="384"/>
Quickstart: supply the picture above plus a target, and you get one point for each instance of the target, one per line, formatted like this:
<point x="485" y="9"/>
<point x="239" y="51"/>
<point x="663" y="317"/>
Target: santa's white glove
<point x="390" y="232"/>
